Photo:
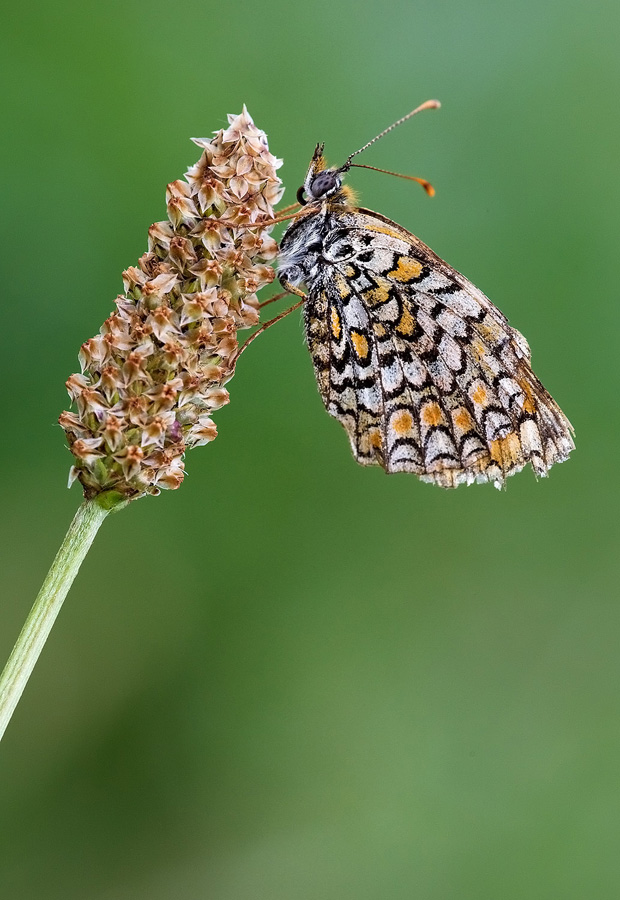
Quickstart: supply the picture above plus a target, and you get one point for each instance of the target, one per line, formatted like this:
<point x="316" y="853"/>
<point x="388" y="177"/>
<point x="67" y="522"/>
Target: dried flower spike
<point x="156" y="371"/>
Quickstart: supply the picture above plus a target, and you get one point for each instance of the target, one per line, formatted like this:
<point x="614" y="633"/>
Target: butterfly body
<point x="421" y="369"/>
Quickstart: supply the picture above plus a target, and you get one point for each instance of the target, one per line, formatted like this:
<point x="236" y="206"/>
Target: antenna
<point x="428" y="187"/>
<point x="429" y="104"/>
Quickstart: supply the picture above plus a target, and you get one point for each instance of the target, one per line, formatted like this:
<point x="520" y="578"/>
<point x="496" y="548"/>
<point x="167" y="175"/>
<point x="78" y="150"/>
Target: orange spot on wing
<point x="529" y="405"/>
<point x="506" y="451"/>
<point x="406" y="270"/>
<point x="336" y="326"/>
<point x="478" y="350"/>
<point x="480" y="395"/>
<point x="382" y="229"/>
<point x="406" y="326"/>
<point x="463" y="420"/>
<point x="402" y="422"/>
<point x="431" y="414"/>
<point x="343" y="288"/>
<point x="360" y="343"/>
<point x="377" y="295"/>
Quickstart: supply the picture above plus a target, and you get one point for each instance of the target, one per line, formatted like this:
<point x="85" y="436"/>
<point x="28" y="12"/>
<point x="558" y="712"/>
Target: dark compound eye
<point x="323" y="184"/>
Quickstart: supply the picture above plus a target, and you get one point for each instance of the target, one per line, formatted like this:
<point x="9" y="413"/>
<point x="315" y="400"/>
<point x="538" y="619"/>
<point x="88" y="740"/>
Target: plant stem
<point x="46" y="607"/>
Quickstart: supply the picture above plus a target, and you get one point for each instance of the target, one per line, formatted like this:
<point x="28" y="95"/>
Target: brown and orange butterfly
<point x="422" y="370"/>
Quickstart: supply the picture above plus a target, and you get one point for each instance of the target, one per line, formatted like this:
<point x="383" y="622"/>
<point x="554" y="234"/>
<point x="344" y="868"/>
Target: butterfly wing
<point x="422" y="370"/>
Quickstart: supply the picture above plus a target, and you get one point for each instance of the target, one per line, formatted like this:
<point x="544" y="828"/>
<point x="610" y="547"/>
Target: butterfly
<point x="421" y="369"/>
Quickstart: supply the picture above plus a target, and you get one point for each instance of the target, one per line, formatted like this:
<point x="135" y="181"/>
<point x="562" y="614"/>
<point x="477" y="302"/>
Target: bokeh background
<point x="296" y="678"/>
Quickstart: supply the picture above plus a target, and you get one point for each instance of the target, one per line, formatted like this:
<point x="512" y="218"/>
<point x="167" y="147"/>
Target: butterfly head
<point x="322" y="183"/>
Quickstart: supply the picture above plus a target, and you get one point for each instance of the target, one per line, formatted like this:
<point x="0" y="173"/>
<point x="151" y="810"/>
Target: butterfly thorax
<point x="303" y="247"/>
<point x="327" y="206"/>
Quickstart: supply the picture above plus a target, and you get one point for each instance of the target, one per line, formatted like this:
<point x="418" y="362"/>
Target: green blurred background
<point x="296" y="678"/>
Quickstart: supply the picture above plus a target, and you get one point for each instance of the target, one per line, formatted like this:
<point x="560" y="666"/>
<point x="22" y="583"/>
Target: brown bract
<point x="156" y="371"/>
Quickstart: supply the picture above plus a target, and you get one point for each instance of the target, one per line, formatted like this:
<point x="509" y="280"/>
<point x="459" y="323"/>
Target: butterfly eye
<point x="324" y="184"/>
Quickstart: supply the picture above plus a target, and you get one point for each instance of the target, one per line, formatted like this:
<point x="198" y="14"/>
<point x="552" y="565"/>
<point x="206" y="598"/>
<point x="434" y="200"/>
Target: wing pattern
<point x="422" y="370"/>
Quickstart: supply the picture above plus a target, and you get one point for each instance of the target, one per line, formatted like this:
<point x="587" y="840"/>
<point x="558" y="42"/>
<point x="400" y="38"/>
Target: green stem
<point x="46" y="607"/>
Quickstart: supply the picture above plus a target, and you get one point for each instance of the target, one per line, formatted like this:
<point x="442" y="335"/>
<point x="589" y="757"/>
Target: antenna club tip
<point x="428" y="187"/>
<point x="432" y="104"/>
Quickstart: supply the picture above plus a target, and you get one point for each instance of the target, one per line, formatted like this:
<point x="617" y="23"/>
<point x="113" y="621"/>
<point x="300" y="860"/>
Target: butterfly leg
<point x="273" y="299"/>
<point x="267" y="223"/>
<point x="263" y="223"/>
<point x="267" y="325"/>
<point x="286" y="209"/>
